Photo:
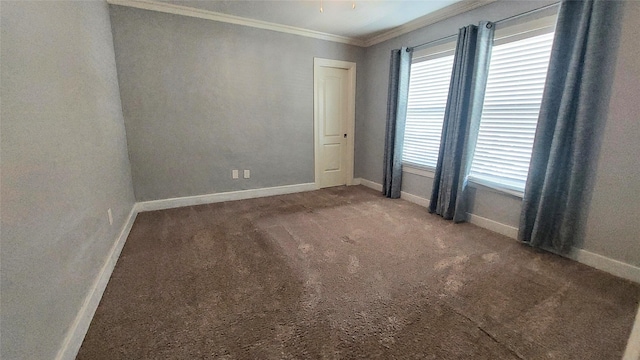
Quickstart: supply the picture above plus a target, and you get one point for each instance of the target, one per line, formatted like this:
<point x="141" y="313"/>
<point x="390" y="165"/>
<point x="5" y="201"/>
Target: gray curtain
<point x="570" y="124"/>
<point x="399" y="69"/>
<point x="461" y="120"/>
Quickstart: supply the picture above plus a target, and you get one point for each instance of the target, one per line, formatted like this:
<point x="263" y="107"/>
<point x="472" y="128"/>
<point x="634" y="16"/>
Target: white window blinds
<point x="517" y="75"/>
<point x="428" y="90"/>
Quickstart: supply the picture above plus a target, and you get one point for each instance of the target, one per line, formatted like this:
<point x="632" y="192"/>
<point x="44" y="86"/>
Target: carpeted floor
<point x="344" y="273"/>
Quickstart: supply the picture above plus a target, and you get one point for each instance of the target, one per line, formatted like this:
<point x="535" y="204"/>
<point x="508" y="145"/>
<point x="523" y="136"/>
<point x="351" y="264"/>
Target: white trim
<point x="220" y="197"/>
<point x="418" y="171"/>
<point x="351" y="116"/>
<point x="633" y="345"/>
<point x="522" y="30"/>
<point x="76" y="333"/>
<point x="429" y="19"/>
<point x="597" y="261"/>
<point x="434" y="52"/>
<point x="612" y="266"/>
<point x="370" y="184"/>
<point x="494" y="226"/>
<point x="403" y="195"/>
<point x="415" y="199"/>
<point x="231" y="19"/>
<point x="497" y="188"/>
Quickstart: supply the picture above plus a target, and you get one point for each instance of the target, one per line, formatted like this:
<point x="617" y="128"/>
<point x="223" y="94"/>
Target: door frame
<point x="351" y="116"/>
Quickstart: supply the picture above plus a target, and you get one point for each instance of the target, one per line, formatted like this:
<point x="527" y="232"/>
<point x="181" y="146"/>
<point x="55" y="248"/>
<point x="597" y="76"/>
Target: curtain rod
<point x="432" y="42"/>
<point x="527" y="13"/>
<point x="495" y="22"/>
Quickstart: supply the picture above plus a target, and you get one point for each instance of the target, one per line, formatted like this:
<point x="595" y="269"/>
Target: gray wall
<point x="201" y="98"/>
<point x="613" y="226"/>
<point x="482" y="201"/>
<point x="64" y="162"/>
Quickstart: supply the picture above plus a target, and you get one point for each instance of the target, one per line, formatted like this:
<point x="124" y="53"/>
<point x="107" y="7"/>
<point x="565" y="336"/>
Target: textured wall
<point x="64" y="162"/>
<point x="613" y="229"/>
<point x="201" y="98"/>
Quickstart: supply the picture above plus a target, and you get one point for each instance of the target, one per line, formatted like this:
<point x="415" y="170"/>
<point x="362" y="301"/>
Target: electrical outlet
<point x="234" y="174"/>
<point x="247" y="174"/>
<point x="110" y="216"/>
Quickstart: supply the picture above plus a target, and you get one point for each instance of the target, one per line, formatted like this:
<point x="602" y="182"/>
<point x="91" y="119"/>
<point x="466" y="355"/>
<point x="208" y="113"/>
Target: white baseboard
<point x="415" y="199"/>
<point x="403" y="195"/>
<point x="368" y="183"/>
<point x="612" y="266"/>
<point x="78" y="329"/>
<point x="224" y="196"/>
<point x="600" y="262"/>
<point x="494" y="226"/>
<point x="480" y="221"/>
<point x="633" y="345"/>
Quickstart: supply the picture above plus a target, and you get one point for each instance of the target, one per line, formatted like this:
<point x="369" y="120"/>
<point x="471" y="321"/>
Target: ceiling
<point x="369" y="19"/>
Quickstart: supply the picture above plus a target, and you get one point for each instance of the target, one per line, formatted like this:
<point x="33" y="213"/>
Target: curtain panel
<point x="461" y="120"/>
<point x="399" y="71"/>
<point x="570" y="124"/>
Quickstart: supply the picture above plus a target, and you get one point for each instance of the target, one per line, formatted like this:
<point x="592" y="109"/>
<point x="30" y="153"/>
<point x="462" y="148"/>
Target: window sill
<point x="474" y="183"/>
<point x="479" y="184"/>
<point x="418" y="170"/>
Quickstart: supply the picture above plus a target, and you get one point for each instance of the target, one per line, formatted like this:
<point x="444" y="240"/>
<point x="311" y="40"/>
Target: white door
<point x="334" y="160"/>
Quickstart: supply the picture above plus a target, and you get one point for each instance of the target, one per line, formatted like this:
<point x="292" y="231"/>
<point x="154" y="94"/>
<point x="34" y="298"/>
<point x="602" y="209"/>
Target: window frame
<point x="446" y="47"/>
<point x="511" y="33"/>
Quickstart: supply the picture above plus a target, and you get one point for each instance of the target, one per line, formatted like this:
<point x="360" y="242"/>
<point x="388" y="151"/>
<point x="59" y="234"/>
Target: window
<point x="517" y="74"/>
<point x="428" y="90"/>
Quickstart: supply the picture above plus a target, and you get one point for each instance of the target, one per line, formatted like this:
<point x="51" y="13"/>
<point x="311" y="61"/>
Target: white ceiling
<point x="368" y="19"/>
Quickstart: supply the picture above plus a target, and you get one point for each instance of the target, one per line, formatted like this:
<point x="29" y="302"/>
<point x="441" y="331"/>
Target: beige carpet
<point x="344" y="273"/>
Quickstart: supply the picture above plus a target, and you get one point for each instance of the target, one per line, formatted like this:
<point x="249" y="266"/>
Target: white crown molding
<point x="231" y="19"/>
<point x="429" y="19"/>
<point x="438" y="15"/>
